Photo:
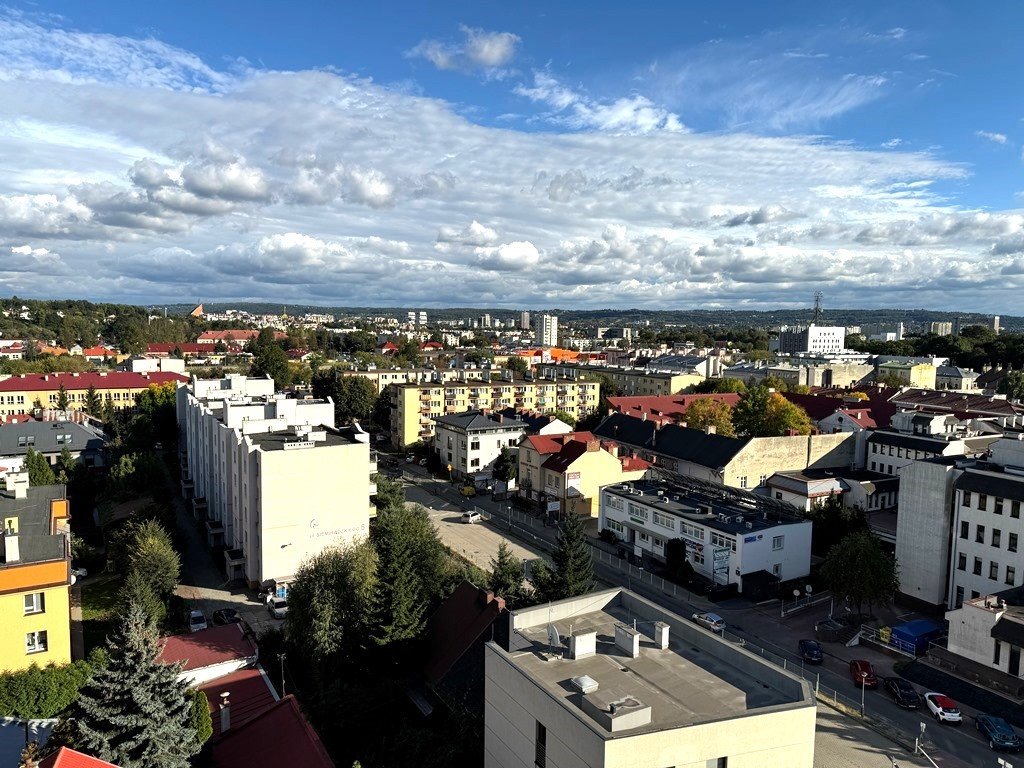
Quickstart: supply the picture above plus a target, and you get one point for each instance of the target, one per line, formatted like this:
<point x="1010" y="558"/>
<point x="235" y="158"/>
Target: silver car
<point x="278" y="607"/>
<point x="711" y="621"/>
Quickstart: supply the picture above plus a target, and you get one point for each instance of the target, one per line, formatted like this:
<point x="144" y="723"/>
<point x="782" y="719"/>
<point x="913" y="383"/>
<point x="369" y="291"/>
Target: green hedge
<point x="44" y="692"/>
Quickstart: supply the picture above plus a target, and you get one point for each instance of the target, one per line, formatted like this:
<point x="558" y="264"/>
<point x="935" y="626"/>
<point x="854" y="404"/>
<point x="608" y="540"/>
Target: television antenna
<point x="818" y="296"/>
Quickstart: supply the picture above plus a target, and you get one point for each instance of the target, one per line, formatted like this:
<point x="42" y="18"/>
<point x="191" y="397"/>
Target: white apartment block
<point x="611" y="680"/>
<point x="545" y="327"/>
<point x="470" y="442"/>
<point x="729" y="534"/>
<point x="272" y="479"/>
<point x="816" y="339"/>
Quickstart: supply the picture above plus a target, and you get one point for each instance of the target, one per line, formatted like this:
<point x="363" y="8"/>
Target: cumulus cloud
<point x="995" y="138"/>
<point x="480" y="50"/>
<point x="629" y="114"/>
<point x="319" y="187"/>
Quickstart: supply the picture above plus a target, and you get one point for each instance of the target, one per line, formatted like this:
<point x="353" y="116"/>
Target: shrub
<point x="200" y="719"/>
<point x="43" y="692"/>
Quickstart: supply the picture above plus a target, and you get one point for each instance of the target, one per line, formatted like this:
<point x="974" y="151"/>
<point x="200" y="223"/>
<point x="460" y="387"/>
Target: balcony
<point x="424" y="396"/>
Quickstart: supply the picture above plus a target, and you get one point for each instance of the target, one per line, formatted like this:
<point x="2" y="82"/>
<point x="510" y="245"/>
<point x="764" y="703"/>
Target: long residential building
<point x="612" y="680"/>
<point x="35" y="574"/>
<point x="415" y="406"/>
<point x="24" y="392"/>
<point x="381" y="378"/>
<point x="273" y="480"/>
<point x="630" y="381"/>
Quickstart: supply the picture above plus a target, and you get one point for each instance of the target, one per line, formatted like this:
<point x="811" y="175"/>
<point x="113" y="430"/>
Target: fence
<point x="884" y="636"/>
<point x="802" y="603"/>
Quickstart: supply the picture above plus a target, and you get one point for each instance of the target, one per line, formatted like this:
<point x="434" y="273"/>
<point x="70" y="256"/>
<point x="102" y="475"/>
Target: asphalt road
<point x="759" y="626"/>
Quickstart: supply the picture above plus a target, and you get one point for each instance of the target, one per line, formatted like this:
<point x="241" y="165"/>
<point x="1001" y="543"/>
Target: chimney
<point x="225" y="712"/>
<point x="643" y="416"/>
<point x="710" y="429"/>
<point x="593" y="445"/>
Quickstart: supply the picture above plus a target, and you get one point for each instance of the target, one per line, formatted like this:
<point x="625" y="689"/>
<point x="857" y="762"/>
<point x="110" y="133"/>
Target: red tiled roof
<point x="456" y="625"/>
<point x="207" y="647"/>
<point x="633" y="464"/>
<point x="388" y="347"/>
<point x="562" y="460"/>
<point x="69" y="758"/>
<point x="929" y="399"/>
<point x="817" y="406"/>
<point x="238" y="334"/>
<point x="279" y="737"/>
<point x="251" y="694"/>
<point x="51" y="382"/>
<point x="431" y="345"/>
<point x="189" y="348"/>
<point x="666" y="409"/>
<point x="100" y="351"/>
<point x="545" y="444"/>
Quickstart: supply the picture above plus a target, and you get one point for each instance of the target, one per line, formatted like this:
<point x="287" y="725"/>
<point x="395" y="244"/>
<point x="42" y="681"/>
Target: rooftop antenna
<point x="817" y="308"/>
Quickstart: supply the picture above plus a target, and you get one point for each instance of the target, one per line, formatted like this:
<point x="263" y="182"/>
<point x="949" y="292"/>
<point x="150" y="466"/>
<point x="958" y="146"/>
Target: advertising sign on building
<point x="554" y="506"/>
<point x="572" y="484"/>
<point x="721" y="562"/>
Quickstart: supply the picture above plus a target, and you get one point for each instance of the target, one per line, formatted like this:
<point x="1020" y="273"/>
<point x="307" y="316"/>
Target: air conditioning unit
<point x="750" y="526"/>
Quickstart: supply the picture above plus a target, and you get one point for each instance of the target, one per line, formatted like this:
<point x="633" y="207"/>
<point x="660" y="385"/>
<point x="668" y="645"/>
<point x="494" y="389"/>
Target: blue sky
<point x="531" y="154"/>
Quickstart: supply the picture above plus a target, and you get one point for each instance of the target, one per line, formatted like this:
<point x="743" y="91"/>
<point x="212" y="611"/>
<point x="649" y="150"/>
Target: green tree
<point x="711" y="386"/>
<point x="390" y="494"/>
<point x="137" y="590"/>
<point x="270" y="360"/>
<point x="506" y="465"/>
<point x="762" y="413"/>
<point x="1012" y="385"/>
<point x="677" y="566"/>
<point x="135" y="712"/>
<point x="506" y="579"/>
<point x="63" y="401"/>
<point x="860" y="570"/>
<point x="157" y="405"/>
<point x="93" y="403"/>
<point x="331" y="603"/>
<point x="155" y="559"/>
<point x="67" y="467"/>
<point x="572" y="573"/>
<point x="199" y="719"/>
<point x="568" y="418"/>
<point x="776" y="382"/>
<point x="38" y="468"/>
<point x="706" y="412"/>
<point x="831" y="522"/>
<point x="107" y="412"/>
<point x="517" y="364"/>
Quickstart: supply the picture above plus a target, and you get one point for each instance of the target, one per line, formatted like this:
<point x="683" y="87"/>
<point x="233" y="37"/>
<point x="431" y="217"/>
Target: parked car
<point x="711" y="621"/>
<point x="810" y="651"/>
<point x="410" y="459"/>
<point x="278" y="607"/>
<point x="468" y="490"/>
<point x="226" y="616"/>
<point x="471" y="517"/>
<point x="943" y="707"/>
<point x="902" y="692"/>
<point x="423" y="462"/>
<point x="862" y="673"/>
<point x="1000" y="735"/>
<point x="196" y="621"/>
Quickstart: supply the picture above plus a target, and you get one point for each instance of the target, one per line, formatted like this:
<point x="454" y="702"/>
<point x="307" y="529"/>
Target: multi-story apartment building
<point x="415" y="406"/>
<point x="730" y="536"/>
<point x="545" y="328"/>
<point x="911" y="374"/>
<point x="630" y="381"/>
<point x="23" y="392"/>
<point x="610" y="680"/>
<point x="941" y="328"/>
<point x="271" y="477"/>
<point x="35" y="574"/>
<point x="381" y="378"/>
<point x="914" y="436"/>
<point x="988" y="631"/>
<point x="817" y="339"/>
<point x="83" y="442"/>
<point x="470" y="442"/>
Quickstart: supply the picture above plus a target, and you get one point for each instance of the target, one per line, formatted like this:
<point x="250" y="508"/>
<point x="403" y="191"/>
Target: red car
<point x="862" y="674"/>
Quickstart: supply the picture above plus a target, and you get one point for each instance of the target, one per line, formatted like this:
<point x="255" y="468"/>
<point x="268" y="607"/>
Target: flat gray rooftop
<point x="698" y="678"/>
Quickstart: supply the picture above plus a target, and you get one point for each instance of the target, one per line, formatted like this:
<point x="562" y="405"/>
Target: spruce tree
<point x="135" y="713"/>
<point x="507" y="575"/>
<point x="63" y="401"/>
<point x="573" y="564"/>
<point x="155" y="559"/>
<point x="38" y="468"/>
<point x="137" y="590"/>
<point x="93" y="403"/>
<point x="400" y="609"/>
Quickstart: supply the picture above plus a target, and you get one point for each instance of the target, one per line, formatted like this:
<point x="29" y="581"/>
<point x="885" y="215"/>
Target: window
<point x="959" y="597"/>
<point x="35" y="642"/>
<point x="1011" y="543"/>
<point x="1011" y="574"/>
<point x="778" y="542"/>
<point x="644" y="537"/>
<point x="698" y="558"/>
<point x="982" y="502"/>
<point x="967" y="498"/>
<point x="35" y="603"/>
<point x="993" y="570"/>
<point x="777" y="570"/>
<point x="977" y="566"/>
<point x="778" y="495"/>
<point x="540" y="751"/>
<point x="997" y="536"/>
<point x="1014" y="508"/>
<point x="995" y="655"/>
<point x="872" y="466"/>
<point x="664" y="521"/>
<point x="475" y="445"/>
<point x="961" y="563"/>
<point x="979" y="534"/>
<point x="762" y="480"/>
<point x="613" y="525"/>
<point x="965" y="529"/>
<point x="658" y="542"/>
<point x="743" y="481"/>
<point x="998" y="507"/>
<point x="64" y="439"/>
<point x="475" y="463"/>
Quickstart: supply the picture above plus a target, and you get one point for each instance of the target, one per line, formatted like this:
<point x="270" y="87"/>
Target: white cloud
<point x="628" y="114"/>
<point x="893" y="143"/>
<point x="480" y="51"/>
<point x="318" y="187"/>
<point x="996" y="138"/>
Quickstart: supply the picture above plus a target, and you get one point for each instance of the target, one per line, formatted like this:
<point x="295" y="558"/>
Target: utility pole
<point x="280" y="657"/>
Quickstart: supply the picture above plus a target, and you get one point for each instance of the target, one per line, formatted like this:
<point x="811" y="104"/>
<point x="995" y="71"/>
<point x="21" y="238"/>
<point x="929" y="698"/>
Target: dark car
<point x="1000" y="735"/>
<point x="902" y="692"/>
<point x="862" y="673"/>
<point x="226" y="616"/>
<point x="810" y="651"/>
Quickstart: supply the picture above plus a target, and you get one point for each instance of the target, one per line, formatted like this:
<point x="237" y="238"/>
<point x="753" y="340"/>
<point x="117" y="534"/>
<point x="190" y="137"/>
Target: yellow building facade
<point x="24" y="392"/>
<point x="414" y="406"/>
<point x="35" y="575"/>
<point x="912" y="374"/>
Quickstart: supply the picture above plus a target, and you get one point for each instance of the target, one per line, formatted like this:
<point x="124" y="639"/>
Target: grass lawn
<point x="99" y="597"/>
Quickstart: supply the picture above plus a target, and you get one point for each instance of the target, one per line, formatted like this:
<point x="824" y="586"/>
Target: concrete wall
<point x="923" y="531"/>
<point x="763" y="456"/>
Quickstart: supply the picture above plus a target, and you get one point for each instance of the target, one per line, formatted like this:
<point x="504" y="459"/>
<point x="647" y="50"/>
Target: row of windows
<point x="760" y="483"/>
<point x="995" y="537"/>
<point x="901" y="453"/>
<point x="999" y="503"/>
<point x="993" y="569"/>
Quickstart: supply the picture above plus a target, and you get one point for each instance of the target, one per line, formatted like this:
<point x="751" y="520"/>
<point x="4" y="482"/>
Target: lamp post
<point x="863" y="688"/>
<point x="919" y="739"/>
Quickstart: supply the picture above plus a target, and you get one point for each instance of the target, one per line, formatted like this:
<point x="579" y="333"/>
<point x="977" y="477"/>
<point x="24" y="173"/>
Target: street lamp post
<point x="863" y="688"/>
<point x="919" y="739"/>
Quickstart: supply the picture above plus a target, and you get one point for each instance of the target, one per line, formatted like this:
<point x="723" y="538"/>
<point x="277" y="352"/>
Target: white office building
<point x="470" y="442"/>
<point x="816" y="339"/>
<point x="270" y="477"/>
<point x="545" y="328"/>
<point x="731" y="536"/>
<point x="611" y="680"/>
